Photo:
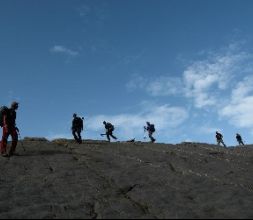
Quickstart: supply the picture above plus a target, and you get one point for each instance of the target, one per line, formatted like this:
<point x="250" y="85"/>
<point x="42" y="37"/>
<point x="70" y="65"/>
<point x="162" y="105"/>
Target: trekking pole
<point x="20" y="139"/>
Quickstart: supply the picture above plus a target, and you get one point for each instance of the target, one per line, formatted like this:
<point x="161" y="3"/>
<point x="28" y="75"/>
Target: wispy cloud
<point x="161" y="86"/>
<point x="203" y="81"/>
<point x="63" y="50"/>
<point x="239" y="110"/>
<point x="165" y="86"/>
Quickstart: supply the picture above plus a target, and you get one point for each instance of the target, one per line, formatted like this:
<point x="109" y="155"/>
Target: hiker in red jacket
<point x="9" y="128"/>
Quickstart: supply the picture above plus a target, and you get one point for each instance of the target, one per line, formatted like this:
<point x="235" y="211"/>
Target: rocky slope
<point x="61" y="179"/>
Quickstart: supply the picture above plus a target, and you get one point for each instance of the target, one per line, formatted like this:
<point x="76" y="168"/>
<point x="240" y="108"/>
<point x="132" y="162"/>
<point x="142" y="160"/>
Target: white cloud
<point x="63" y="50"/>
<point x="165" y="86"/>
<point x="160" y="86"/>
<point x="202" y="81"/>
<point x="239" y="110"/>
<point x="205" y="79"/>
<point x="131" y="125"/>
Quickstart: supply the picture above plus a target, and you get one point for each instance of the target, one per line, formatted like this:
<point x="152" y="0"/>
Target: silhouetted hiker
<point x="219" y="139"/>
<point x="151" y="129"/>
<point x="77" y="127"/>
<point x="109" y="129"/>
<point x="8" y="122"/>
<point x="239" y="139"/>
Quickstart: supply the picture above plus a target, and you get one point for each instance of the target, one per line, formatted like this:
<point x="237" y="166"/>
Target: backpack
<point x="219" y="136"/>
<point x="152" y="128"/>
<point x="3" y="110"/>
<point x="80" y="122"/>
<point x="110" y="127"/>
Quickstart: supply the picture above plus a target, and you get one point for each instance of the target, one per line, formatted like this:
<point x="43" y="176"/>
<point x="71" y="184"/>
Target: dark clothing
<point x="6" y="134"/>
<point x="77" y="135"/>
<point x="109" y="129"/>
<point x="77" y="123"/>
<point x="10" y="118"/>
<point x="150" y="130"/>
<point x="9" y="128"/>
<point x="239" y="139"/>
<point x="109" y="126"/>
<point x="77" y="127"/>
<point x="219" y="136"/>
<point x="219" y="139"/>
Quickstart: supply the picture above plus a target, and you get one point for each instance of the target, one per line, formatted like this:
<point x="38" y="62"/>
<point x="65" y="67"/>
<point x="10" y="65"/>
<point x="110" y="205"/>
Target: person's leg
<point x="14" y="136"/>
<point x="74" y="134"/>
<point x="79" y="136"/>
<point x="223" y="143"/>
<point x="151" y="137"/>
<point x="108" y="136"/>
<point x="4" y="141"/>
<point x="113" y="136"/>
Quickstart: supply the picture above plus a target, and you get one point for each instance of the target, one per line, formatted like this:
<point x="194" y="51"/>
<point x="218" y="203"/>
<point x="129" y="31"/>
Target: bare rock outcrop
<point x="62" y="179"/>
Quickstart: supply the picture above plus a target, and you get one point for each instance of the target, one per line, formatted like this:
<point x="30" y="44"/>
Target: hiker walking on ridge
<point x="109" y="129"/>
<point x="219" y="138"/>
<point x="239" y="139"/>
<point x="8" y="122"/>
<point x="151" y="129"/>
<point x="77" y="127"/>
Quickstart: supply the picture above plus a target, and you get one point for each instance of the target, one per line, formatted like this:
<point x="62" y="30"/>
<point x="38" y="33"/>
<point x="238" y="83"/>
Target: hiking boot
<point x="153" y="140"/>
<point x="4" y="155"/>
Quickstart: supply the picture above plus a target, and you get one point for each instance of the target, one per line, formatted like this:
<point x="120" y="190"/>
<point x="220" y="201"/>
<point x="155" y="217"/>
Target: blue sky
<point x="184" y="65"/>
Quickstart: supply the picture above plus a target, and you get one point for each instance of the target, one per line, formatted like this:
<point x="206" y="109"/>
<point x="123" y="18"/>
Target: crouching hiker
<point x="77" y="127"/>
<point x="219" y="138"/>
<point x="8" y="122"/>
<point x="151" y="129"/>
<point x="109" y="128"/>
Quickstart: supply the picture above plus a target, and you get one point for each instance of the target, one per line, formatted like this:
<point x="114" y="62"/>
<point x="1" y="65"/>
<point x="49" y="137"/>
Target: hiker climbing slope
<point x="151" y="129"/>
<point x="77" y="127"/>
<point x="219" y="138"/>
<point x="8" y="122"/>
<point x="109" y="130"/>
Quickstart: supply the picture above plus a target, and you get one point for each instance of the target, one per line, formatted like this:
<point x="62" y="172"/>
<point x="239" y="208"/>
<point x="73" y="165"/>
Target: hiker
<point x="77" y="127"/>
<point x="151" y="129"/>
<point x="219" y="139"/>
<point x="109" y="129"/>
<point x="9" y="128"/>
<point x="239" y="139"/>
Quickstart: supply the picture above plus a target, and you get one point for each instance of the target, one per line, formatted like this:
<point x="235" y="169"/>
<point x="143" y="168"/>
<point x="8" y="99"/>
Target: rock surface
<point x="62" y="179"/>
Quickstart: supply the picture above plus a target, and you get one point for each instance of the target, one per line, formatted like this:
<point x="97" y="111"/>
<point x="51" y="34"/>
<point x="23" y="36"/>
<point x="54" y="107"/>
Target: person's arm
<point x="5" y="124"/>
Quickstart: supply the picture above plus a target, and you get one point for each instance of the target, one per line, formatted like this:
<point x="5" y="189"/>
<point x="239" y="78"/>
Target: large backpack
<point x="219" y="136"/>
<point x="80" y="122"/>
<point x="152" y="128"/>
<point x="110" y="126"/>
<point x="3" y="111"/>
